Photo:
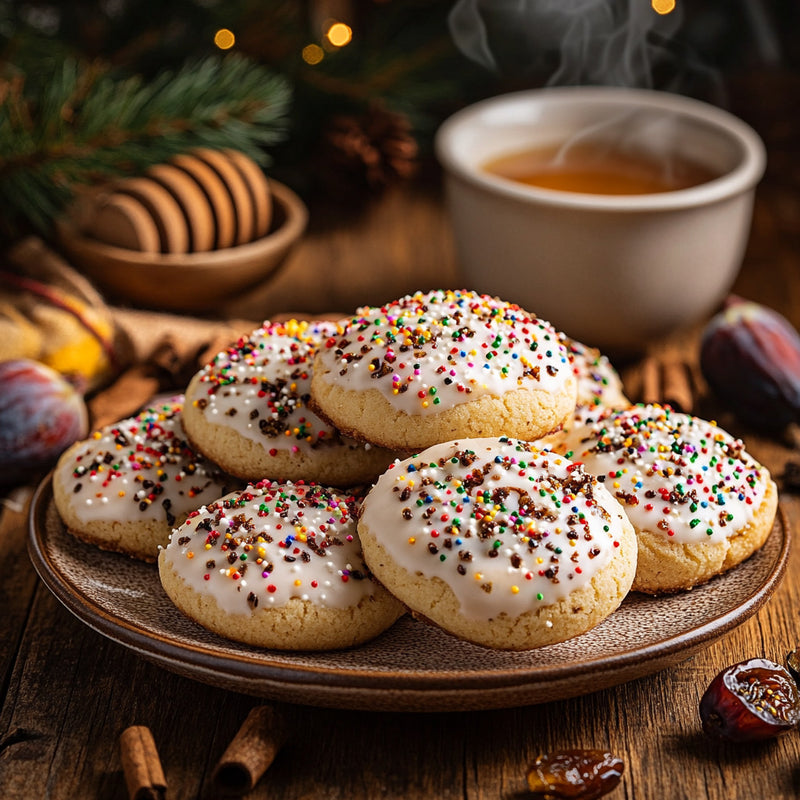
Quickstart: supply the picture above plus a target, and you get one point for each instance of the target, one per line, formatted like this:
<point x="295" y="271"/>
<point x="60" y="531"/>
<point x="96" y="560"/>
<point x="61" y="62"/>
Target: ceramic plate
<point x="411" y="667"/>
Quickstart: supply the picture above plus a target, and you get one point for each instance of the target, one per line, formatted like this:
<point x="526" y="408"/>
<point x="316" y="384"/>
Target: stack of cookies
<point x="447" y="454"/>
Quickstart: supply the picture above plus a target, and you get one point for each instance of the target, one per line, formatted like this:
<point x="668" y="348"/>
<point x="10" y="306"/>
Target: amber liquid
<point x="596" y="168"/>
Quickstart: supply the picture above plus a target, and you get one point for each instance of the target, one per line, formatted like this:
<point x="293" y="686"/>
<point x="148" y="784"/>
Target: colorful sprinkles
<point x="430" y="351"/>
<point x="273" y="542"/>
<point x="599" y="384"/>
<point x="260" y="387"/>
<point x="508" y="527"/>
<point x="142" y="468"/>
<point x="676" y="474"/>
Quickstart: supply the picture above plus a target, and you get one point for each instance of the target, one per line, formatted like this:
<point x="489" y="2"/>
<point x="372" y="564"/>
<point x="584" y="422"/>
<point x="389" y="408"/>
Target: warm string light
<point x="313" y="54"/>
<point x="337" y="35"/>
<point x="663" y="6"/>
<point x="224" y="39"/>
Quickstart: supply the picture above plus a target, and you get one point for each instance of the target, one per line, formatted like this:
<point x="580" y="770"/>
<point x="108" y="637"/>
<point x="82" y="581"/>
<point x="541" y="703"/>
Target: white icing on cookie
<point x="599" y="384"/>
<point x="270" y="543"/>
<point x="508" y="527"/>
<point x="141" y="468"/>
<point x="259" y="387"/>
<point x="428" y="352"/>
<point x="676" y="474"/>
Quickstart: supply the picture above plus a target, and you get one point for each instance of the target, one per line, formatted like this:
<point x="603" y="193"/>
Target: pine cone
<point x="369" y="152"/>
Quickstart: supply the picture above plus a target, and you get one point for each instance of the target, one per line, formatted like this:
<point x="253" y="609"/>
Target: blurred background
<point x="368" y="81"/>
<point x="340" y="100"/>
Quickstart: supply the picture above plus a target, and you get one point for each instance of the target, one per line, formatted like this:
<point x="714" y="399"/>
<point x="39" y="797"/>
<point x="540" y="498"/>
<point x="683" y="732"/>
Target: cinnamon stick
<point x="141" y="765"/>
<point x="251" y="752"/>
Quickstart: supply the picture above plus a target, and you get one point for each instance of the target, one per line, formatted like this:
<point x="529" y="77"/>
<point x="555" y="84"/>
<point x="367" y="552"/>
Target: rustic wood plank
<point x="19" y="582"/>
<point x="75" y="692"/>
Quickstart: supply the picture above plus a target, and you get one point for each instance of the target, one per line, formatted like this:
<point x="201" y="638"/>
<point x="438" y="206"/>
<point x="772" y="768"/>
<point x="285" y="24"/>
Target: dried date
<point x="574" y="774"/>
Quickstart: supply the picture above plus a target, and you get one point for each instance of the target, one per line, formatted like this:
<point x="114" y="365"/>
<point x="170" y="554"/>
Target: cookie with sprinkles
<point x="248" y="410"/>
<point x="277" y="565"/>
<point x="435" y="366"/>
<point x="599" y="384"/>
<point x="126" y="487"/>
<point x="498" y="542"/>
<point x="700" y="503"/>
<point x="599" y="387"/>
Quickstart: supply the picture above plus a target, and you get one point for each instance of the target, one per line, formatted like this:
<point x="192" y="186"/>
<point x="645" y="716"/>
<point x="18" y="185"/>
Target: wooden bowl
<point x="188" y="281"/>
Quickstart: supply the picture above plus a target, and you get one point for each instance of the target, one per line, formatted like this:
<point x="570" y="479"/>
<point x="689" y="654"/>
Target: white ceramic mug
<point x="614" y="271"/>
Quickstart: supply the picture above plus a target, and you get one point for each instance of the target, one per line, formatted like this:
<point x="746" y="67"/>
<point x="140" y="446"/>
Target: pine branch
<point x="86" y="125"/>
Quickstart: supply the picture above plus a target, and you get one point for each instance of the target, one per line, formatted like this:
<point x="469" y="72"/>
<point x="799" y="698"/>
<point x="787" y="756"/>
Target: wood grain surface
<point x="68" y="693"/>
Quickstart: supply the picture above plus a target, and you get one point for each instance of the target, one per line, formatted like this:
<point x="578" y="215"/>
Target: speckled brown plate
<point x="411" y="667"/>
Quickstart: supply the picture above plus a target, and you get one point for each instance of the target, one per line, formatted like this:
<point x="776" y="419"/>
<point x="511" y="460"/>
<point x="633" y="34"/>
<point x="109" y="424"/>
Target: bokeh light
<point x="313" y="54"/>
<point x="224" y="39"/>
<point x="339" y="34"/>
<point x="663" y="6"/>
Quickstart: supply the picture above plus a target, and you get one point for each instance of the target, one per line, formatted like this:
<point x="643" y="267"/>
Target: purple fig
<point x="41" y="414"/>
<point x="750" y="356"/>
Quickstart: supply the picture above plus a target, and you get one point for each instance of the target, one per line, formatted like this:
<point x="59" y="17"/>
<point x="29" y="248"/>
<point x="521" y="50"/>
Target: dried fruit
<point x="750" y="356"/>
<point x="747" y="702"/>
<point x="41" y="414"/>
<point x="577" y="774"/>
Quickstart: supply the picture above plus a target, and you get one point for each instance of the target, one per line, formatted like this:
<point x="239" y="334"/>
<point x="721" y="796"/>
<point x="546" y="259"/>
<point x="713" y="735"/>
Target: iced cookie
<point x="277" y="565"/>
<point x="433" y="367"/>
<point x="248" y="410"/>
<point x="599" y="384"/>
<point x="499" y="543"/>
<point x="699" y="502"/>
<point x="599" y="388"/>
<point x="130" y="483"/>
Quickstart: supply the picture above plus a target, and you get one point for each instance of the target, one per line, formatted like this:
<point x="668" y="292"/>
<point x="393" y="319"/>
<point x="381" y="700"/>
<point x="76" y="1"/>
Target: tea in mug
<point x="598" y="168"/>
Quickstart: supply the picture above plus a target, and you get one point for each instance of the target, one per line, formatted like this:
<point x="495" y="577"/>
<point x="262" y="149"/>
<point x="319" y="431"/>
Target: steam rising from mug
<point x="611" y="42"/>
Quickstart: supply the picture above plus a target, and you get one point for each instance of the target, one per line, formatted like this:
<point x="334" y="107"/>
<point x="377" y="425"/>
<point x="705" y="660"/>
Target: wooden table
<point x="67" y="693"/>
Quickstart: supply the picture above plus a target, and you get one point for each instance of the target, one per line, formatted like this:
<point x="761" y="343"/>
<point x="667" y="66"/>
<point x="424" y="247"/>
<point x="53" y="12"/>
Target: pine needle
<point x="86" y="125"/>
